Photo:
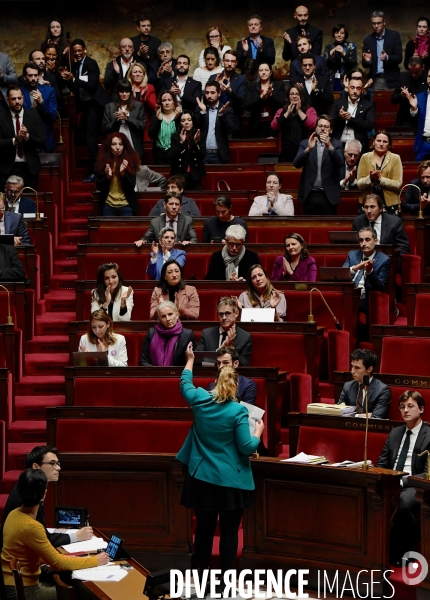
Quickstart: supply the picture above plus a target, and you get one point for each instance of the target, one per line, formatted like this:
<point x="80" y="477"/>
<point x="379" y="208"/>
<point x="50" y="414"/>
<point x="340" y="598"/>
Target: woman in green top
<point x="163" y="126"/>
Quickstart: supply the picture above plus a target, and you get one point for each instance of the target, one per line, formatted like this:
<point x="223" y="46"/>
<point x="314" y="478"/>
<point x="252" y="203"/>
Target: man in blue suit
<point x="370" y="271"/>
<point x="12" y="223"/>
<point x="382" y="53"/>
<point x="23" y="205"/>
<point x="246" y="388"/>
<point x="420" y="104"/>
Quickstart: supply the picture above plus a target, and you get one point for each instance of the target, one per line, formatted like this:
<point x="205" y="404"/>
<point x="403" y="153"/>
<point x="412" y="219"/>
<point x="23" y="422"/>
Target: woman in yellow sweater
<point x="24" y="538"/>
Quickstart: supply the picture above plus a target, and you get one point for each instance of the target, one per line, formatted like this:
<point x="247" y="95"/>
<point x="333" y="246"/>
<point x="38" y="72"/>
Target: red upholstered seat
<point x="397" y="391"/>
<point x="286" y="351"/>
<point x="408" y="356"/>
<point x="422" y="310"/>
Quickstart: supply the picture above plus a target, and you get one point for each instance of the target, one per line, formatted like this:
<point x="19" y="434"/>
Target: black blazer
<point x="224" y="125"/>
<point x="186" y="231"/>
<point x="392" y="231"/>
<point x="331" y="163"/>
<point x="209" y="340"/>
<point x="136" y="122"/>
<point x="388" y="457"/>
<point x="296" y="69"/>
<point x="152" y="43"/>
<point x="111" y="77"/>
<point x="192" y="90"/>
<point x="152" y="70"/>
<point x="128" y="184"/>
<point x="379" y="397"/>
<point x="236" y="97"/>
<point x="216" y="269"/>
<point x="322" y="99"/>
<point x="14" y="224"/>
<point x="35" y="141"/>
<point x="184" y="156"/>
<point x="361" y="123"/>
<point x="267" y="54"/>
<point x="315" y="36"/>
<point x="411" y="201"/>
<point x="415" y="86"/>
<point x="179" y="359"/>
<point x="255" y="104"/>
<point x="393" y="47"/>
<point x="92" y="86"/>
<point x="26" y="205"/>
<point x="11" y="268"/>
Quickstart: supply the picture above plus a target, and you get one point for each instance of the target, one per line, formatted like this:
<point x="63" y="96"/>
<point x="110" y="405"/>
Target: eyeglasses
<point x="227" y="313"/>
<point x="234" y="244"/>
<point x="352" y="155"/>
<point x="53" y="463"/>
<point x="13" y="192"/>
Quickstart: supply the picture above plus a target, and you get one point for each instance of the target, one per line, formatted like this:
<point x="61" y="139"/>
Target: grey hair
<point x="165" y="45"/>
<point x="372" y="231"/>
<point x="165" y="230"/>
<point x="15" y="180"/>
<point x="236" y="231"/>
<point x="167" y="304"/>
<point x="356" y="142"/>
<point x="377" y="13"/>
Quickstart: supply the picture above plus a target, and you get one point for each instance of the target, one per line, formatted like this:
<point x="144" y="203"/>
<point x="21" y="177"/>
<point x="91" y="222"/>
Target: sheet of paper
<point x="302" y="457"/>
<point x="105" y="573"/>
<point x="83" y="78"/>
<point x="61" y="530"/>
<point x="88" y="546"/>
<point x="254" y="414"/>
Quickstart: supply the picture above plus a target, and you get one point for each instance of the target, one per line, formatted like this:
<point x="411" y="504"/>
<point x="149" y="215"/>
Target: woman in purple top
<point x="296" y="265"/>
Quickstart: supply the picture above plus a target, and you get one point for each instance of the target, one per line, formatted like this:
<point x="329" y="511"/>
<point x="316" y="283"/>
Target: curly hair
<point x="105" y="156"/>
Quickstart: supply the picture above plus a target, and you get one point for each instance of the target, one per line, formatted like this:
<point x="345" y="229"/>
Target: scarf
<point x="231" y="262"/>
<point x="422" y="44"/>
<point x="162" y="347"/>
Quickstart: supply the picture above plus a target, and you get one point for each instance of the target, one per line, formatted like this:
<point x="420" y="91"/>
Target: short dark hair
<point x="337" y="28"/>
<point x="369" y="358"/>
<point x="374" y="197"/>
<point x="178" y="180"/>
<point x="307" y="55"/>
<point x="371" y="230"/>
<point x="31" y="486"/>
<point x="254" y="17"/>
<point x="167" y="197"/>
<point x="223" y="200"/>
<point x="228" y="350"/>
<point x="232" y="52"/>
<point x="213" y="83"/>
<point x="415" y="60"/>
<point x="184" y="56"/>
<point x="163" y="283"/>
<point x="30" y="65"/>
<point x="143" y="17"/>
<point x="13" y="88"/>
<point x="326" y="118"/>
<point x="38" y="454"/>
<point x="78" y="42"/>
<point x="387" y="133"/>
<point x="426" y="19"/>
<point x="275" y="174"/>
<point x="30" y="56"/>
<point x="413" y="396"/>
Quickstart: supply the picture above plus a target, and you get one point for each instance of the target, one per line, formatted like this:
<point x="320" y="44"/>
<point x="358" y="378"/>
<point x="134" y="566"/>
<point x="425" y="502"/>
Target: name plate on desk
<point x="31" y="215"/>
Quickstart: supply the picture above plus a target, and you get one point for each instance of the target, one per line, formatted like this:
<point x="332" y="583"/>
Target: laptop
<point x="257" y="315"/>
<point x="7" y="239"/>
<point x="343" y="237"/>
<point x="90" y="359"/>
<point x="205" y="358"/>
<point x="335" y="274"/>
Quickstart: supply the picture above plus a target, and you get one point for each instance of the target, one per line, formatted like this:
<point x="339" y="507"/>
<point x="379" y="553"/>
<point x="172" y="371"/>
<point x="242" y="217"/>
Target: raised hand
<point x="286" y="37"/>
<point x="183" y="136"/>
<point x="245" y="45"/>
<point x="108" y="171"/>
<point x="201" y="105"/>
<point x="383" y="55"/>
<point x="126" y="294"/>
<point x="154" y="247"/>
<point x="223" y="108"/>
<point x="367" y="56"/>
<point x="159" y="114"/>
<point x="197" y="136"/>
<point x="115" y="66"/>
<point x="108" y="294"/>
<point x="312" y="140"/>
<point x="275" y="298"/>
<point x="123" y="167"/>
<point x="101" y="347"/>
<point x="286" y="267"/>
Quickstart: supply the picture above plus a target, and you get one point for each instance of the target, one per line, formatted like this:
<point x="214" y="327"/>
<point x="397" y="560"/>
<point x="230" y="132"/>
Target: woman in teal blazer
<point x="216" y="452"/>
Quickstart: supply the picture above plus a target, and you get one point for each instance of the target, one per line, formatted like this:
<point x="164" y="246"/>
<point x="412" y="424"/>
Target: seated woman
<point x="163" y="126"/>
<point x="165" y="344"/>
<point x="25" y="538"/>
<point x="211" y="66"/>
<point x="173" y="287"/>
<point x="111" y="295"/>
<point x="381" y="172"/>
<point x="294" y="123"/>
<point x="260" y="293"/>
<point x="143" y="92"/>
<point x="232" y="263"/>
<point x="420" y="45"/>
<point x="263" y="98"/>
<point x="126" y="115"/>
<point x="187" y="152"/>
<point x="340" y="56"/>
<point x="296" y="265"/>
<point x="216" y="40"/>
<point x="164" y="251"/>
<point x="273" y="203"/>
<point x="101" y="338"/>
<point x="116" y="168"/>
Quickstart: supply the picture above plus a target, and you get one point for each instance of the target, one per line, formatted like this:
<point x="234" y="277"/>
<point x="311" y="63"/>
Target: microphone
<point x="420" y="212"/>
<point x="366" y="383"/>
<point x="9" y="316"/>
<point x="311" y="317"/>
<point x="38" y="217"/>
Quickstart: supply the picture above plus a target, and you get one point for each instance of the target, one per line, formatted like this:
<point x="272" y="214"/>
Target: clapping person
<point x="101" y="338"/>
<point x="187" y="152"/>
<point x="163" y="126"/>
<point x="273" y="203"/>
<point x="340" y="56"/>
<point x="173" y="287"/>
<point x="294" y="122"/>
<point x="56" y="35"/>
<point x="263" y="99"/>
<point x="215" y="40"/>
<point x="163" y="251"/>
<point x="260" y="293"/>
<point x="296" y="264"/>
<point x="116" y="168"/>
<point x="420" y="45"/>
<point x="143" y="91"/>
<point x="111" y="295"/>
<point x="211" y="66"/>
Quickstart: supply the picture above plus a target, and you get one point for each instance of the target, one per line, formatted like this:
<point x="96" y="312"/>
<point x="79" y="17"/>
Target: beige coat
<point x="189" y="302"/>
<point x="391" y="177"/>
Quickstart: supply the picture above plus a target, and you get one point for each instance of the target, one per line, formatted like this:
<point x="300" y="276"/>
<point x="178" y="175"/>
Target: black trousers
<point x="229" y="521"/>
<point x="92" y="116"/>
<point x="404" y="532"/>
<point x="317" y="203"/>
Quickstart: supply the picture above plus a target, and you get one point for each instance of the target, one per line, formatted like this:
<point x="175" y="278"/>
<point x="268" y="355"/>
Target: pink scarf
<point x="422" y="43"/>
<point x="162" y="347"/>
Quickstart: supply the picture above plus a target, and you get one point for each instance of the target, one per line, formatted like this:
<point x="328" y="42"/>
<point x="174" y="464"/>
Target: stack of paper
<point x="309" y="459"/>
<point x="105" y="573"/>
<point x="254" y="414"/>
<point x="95" y="543"/>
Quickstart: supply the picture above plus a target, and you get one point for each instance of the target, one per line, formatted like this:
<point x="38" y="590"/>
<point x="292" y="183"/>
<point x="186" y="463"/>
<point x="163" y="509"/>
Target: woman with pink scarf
<point x="165" y="344"/>
<point x="420" y="45"/>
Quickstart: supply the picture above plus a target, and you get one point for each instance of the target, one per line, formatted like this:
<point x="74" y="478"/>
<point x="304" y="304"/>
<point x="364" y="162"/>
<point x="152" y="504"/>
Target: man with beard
<point x="118" y="68"/>
<point x="145" y="45"/>
<point x="315" y="35"/>
<point x="184" y="87"/>
<point x="233" y="89"/>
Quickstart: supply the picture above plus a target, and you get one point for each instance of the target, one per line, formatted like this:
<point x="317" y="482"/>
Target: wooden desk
<point x="422" y="487"/>
<point x="319" y="517"/>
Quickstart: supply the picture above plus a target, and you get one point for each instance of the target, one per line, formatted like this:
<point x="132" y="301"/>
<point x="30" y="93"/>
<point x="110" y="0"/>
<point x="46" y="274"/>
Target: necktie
<point x="360" y="399"/>
<point x="372" y="225"/>
<point x="18" y="143"/>
<point x="404" y="452"/>
<point x="223" y="337"/>
<point x="171" y="221"/>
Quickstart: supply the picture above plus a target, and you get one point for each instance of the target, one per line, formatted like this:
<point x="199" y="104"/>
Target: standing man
<point x="353" y="116"/>
<point x="382" y="53"/>
<point x="255" y="46"/>
<point x="316" y="88"/>
<point x="145" y="45"/>
<point x="7" y="76"/>
<point x="413" y="81"/>
<point x="315" y="35"/>
<point x="118" y="68"/>
<point x="175" y="187"/>
<point x="348" y="171"/>
<point x="12" y="223"/>
<point x="304" y="46"/>
<point x="233" y="89"/>
<point x="215" y="123"/>
<point x="321" y="158"/>
<point x="43" y="99"/>
<point x="91" y="98"/>
<point x="21" y="136"/>
<point x="45" y="78"/>
<point x="23" y="205"/>
<point x="186" y="89"/>
<point x="163" y="67"/>
<point x="411" y="201"/>
<point x="420" y="112"/>
<point x="401" y="452"/>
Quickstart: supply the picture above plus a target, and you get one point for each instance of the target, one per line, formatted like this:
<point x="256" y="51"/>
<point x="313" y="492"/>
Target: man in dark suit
<point x="175" y="187"/>
<point x="304" y="46"/>
<point x="15" y="202"/>
<point x="11" y="268"/>
<point x="162" y="68"/>
<point x="353" y="116"/>
<point x="317" y="89"/>
<point x="315" y="35"/>
<point x="119" y="67"/>
<point x="389" y="228"/>
<point x="91" y="98"/>
<point x="182" y="224"/>
<point x="363" y="362"/>
<point x="145" y="45"/>
<point x="321" y="158"/>
<point x="21" y="135"/>
<point x="413" y="81"/>
<point x="185" y="88"/>
<point x="45" y="77"/>
<point x="401" y="452"/>
<point x="246" y="388"/>
<point x="382" y="53"/>
<point x="419" y="121"/>
<point x="13" y="224"/>
<point x="255" y="46"/>
<point x="411" y="201"/>
<point x="348" y="170"/>
<point x="227" y="334"/>
<point x="232" y="263"/>
<point x="215" y="121"/>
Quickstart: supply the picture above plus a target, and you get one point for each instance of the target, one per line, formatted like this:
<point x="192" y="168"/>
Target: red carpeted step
<point x="27" y="431"/>
<point x="46" y="364"/>
<point x="60" y="301"/>
<point x="47" y="344"/>
<point x="34" y="407"/>
<point x="16" y="456"/>
<point x="70" y="225"/>
<point x="66" y="252"/>
<point x="73" y="237"/>
<point x="9" y="479"/>
<point x="40" y="385"/>
<point x="65" y="267"/>
<point x="54" y="323"/>
<point x="80" y="211"/>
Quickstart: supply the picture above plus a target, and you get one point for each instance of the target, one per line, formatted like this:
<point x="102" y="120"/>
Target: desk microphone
<point x="366" y="382"/>
<point x="311" y="317"/>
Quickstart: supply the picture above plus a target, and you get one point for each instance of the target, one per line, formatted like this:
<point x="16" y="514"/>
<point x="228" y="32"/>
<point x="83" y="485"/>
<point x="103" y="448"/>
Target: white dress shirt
<point x="414" y="435"/>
